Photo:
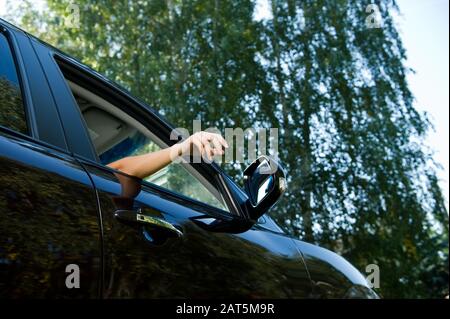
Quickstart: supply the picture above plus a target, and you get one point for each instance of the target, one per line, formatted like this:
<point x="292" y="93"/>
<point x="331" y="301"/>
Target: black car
<point x="187" y="231"/>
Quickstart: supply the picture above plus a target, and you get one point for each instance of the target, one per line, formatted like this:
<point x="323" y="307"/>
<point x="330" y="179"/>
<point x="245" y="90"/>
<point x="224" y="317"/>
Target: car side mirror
<point x="264" y="182"/>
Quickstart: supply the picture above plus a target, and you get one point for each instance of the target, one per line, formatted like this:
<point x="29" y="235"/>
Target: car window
<point x="174" y="177"/>
<point x="12" y="111"/>
<point x="116" y="135"/>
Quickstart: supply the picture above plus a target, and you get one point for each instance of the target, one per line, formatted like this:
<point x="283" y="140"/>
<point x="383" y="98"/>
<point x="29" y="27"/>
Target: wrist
<point x="175" y="151"/>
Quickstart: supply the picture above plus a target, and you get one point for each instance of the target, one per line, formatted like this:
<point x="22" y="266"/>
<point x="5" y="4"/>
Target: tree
<point x="361" y="182"/>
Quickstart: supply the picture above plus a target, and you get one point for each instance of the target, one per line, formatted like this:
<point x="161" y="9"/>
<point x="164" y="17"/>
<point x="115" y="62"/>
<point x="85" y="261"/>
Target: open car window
<point x="116" y="135"/>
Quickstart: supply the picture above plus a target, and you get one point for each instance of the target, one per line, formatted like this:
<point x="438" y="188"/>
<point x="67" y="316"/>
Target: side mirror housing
<point x="265" y="182"/>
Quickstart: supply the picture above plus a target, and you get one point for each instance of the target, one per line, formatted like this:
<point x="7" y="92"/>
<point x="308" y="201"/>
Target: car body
<point x="62" y="209"/>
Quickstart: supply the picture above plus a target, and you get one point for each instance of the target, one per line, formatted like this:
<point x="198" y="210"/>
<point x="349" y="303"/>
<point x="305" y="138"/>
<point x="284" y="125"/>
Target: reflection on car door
<point x="48" y="221"/>
<point x="201" y="263"/>
<point x="142" y="260"/>
<point x="48" y="212"/>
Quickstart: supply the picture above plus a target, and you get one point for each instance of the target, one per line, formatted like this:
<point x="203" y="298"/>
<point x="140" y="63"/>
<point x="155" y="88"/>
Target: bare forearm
<point x="145" y="165"/>
<point x="207" y="144"/>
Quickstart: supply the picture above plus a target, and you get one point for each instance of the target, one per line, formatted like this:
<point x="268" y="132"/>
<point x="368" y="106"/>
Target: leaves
<point x="361" y="182"/>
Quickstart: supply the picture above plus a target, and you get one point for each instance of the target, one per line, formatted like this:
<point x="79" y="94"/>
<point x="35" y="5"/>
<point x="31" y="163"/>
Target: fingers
<point x="209" y="152"/>
<point x="206" y="144"/>
<point x="218" y="143"/>
<point x="198" y="144"/>
<point x="218" y="147"/>
<point x="213" y="144"/>
<point x="222" y="141"/>
<point x="203" y="148"/>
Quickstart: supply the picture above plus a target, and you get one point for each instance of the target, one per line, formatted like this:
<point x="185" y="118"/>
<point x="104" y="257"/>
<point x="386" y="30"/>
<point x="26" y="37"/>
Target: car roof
<point x="99" y="76"/>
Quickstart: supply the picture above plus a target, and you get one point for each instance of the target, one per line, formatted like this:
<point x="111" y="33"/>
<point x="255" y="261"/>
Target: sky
<point x="424" y="28"/>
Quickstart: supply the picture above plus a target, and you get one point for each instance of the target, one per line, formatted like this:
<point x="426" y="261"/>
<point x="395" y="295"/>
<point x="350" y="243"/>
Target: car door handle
<point x="130" y="216"/>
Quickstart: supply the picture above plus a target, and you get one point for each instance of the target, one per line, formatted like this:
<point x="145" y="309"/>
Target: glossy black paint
<point x="37" y="94"/>
<point x="333" y="276"/>
<point x="48" y="220"/>
<point x="58" y="206"/>
<point x="140" y="263"/>
<point x="64" y="103"/>
<point x="264" y="174"/>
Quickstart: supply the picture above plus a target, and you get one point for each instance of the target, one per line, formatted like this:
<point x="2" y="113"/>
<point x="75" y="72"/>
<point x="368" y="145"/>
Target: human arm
<point x="207" y="144"/>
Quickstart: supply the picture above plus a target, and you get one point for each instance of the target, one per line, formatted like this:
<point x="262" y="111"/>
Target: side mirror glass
<point x="265" y="182"/>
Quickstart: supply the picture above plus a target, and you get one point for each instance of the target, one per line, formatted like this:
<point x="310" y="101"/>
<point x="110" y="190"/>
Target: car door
<point x="178" y="233"/>
<point x="49" y="224"/>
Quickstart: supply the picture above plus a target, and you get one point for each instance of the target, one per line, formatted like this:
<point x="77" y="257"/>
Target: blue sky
<point x="424" y="27"/>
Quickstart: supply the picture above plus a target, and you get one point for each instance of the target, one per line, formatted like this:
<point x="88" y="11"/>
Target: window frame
<point x="37" y="98"/>
<point x="74" y="71"/>
<point x="22" y="86"/>
<point x="115" y="111"/>
<point x="40" y="108"/>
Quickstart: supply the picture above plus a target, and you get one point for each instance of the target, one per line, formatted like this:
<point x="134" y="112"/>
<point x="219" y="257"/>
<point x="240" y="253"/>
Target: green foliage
<point x="361" y="182"/>
<point x="45" y="216"/>
<point x="11" y="109"/>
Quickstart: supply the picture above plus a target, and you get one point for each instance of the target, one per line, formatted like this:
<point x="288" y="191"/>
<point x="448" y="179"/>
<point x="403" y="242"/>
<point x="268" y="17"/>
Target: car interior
<point x="115" y="135"/>
<point x="107" y="125"/>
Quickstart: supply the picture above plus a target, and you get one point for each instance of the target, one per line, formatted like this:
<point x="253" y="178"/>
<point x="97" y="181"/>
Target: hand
<point x="206" y="144"/>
